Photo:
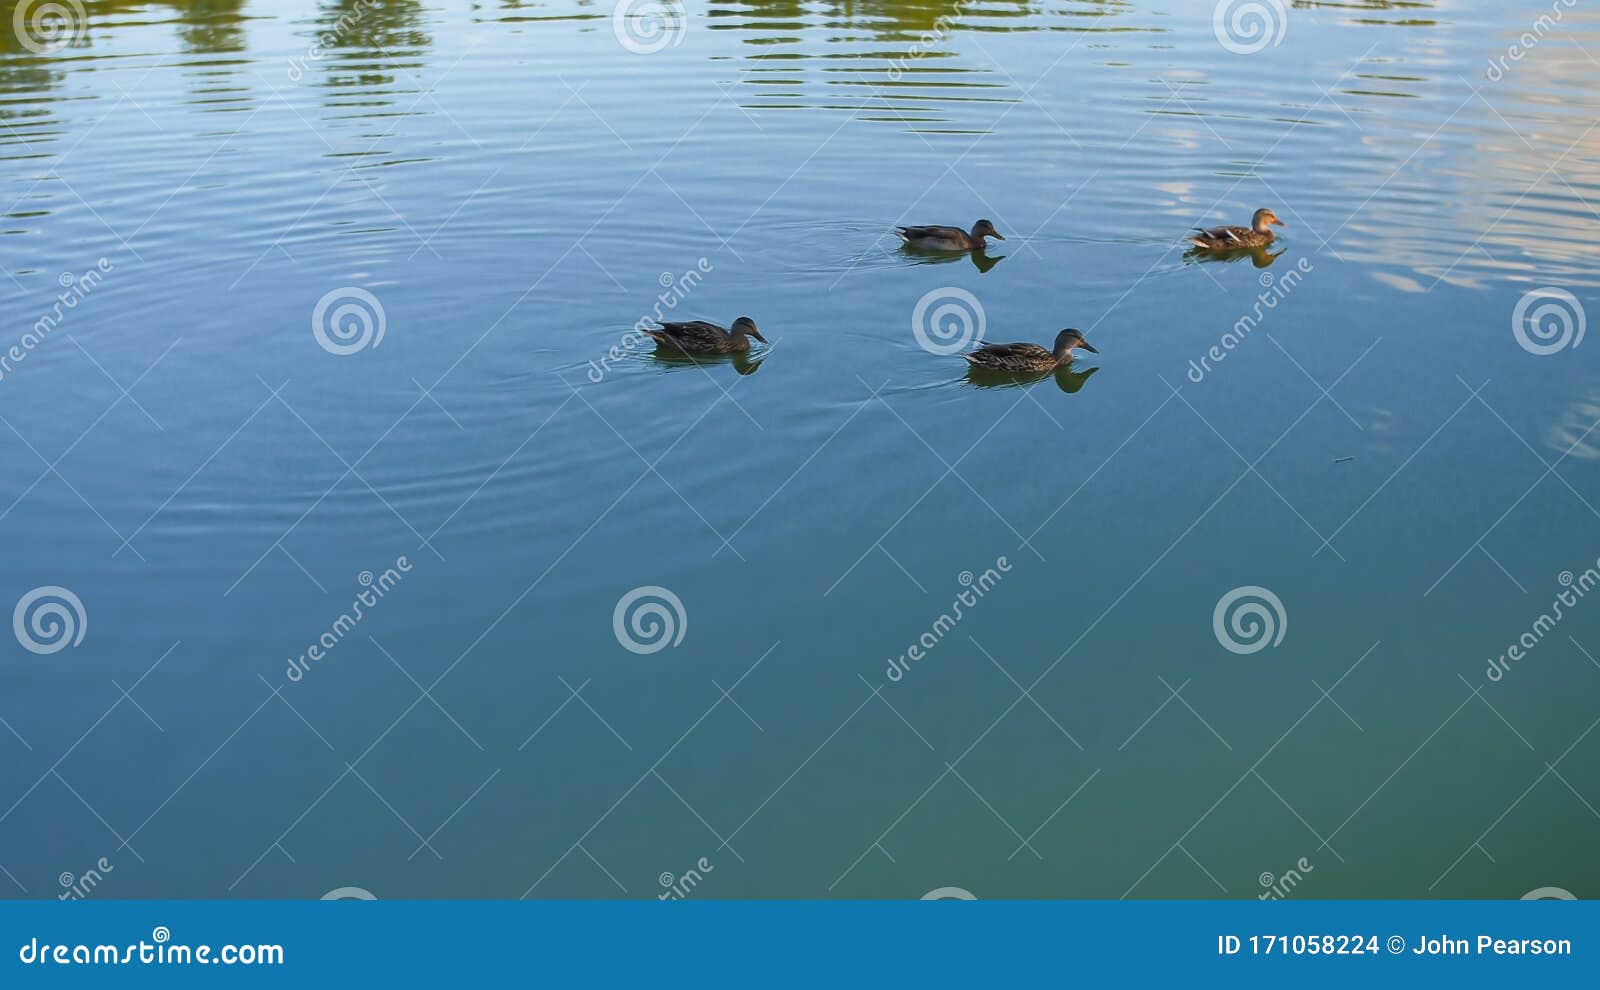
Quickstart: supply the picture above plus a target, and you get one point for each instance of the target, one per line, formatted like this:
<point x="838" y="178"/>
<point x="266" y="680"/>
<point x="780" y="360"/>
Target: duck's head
<point x="1262" y="218"/>
<point x="1069" y="339"/>
<point x="984" y="228"/>
<point x="745" y="325"/>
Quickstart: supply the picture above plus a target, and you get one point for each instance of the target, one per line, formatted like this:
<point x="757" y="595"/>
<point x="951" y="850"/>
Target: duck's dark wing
<point x="1010" y="350"/>
<point x="929" y="233"/>
<point x="690" y="328"/>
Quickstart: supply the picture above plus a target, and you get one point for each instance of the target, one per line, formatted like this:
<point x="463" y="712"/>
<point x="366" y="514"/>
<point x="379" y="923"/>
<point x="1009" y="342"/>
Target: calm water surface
<point x="515" y="189"/>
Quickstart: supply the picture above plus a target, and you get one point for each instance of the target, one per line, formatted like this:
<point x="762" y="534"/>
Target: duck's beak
<point x="997" y="236"/>
<point x="1088" y="347"/>
<point x="757" y="335"/>
<point x="1277" y="223"/>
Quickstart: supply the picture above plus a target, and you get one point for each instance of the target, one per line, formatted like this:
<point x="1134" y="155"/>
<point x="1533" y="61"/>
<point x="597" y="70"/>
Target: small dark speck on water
<point x="1341" y="460"/>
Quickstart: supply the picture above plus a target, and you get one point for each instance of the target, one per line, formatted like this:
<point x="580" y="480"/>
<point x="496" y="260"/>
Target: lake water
<point x="305" y="295"/>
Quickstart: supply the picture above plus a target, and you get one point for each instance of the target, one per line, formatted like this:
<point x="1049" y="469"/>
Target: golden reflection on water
<point x="1500" y="189"/>
<point x="1522" y="156"/>
<point x="201" y="26"/>
<point x="891" y="61"/>
<point x="373" y="47"/>
<point x="363" y="56"/>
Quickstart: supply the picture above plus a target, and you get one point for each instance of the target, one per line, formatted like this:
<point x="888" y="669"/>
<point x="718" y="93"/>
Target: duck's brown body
<point x="1018" y="359"/>
<point x="700" y="337"/>
<point x="936" y="238"/>
<point x="1015" y="358"/>
<point x="1258" y="234"/>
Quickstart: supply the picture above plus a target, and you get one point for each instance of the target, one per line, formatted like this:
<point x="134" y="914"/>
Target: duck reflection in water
<point x="1260" y="257"/>
<point x="922" y="256"/>
<point x="1068" y="378"/>
<point x="672" y="359"/>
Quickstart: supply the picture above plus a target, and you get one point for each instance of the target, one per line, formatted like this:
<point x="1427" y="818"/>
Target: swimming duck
<point x="948" y="238"/>
<point x="700" y="337"/>
<point x="1232" y="238"/>
<point x="1023" y="358"/>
